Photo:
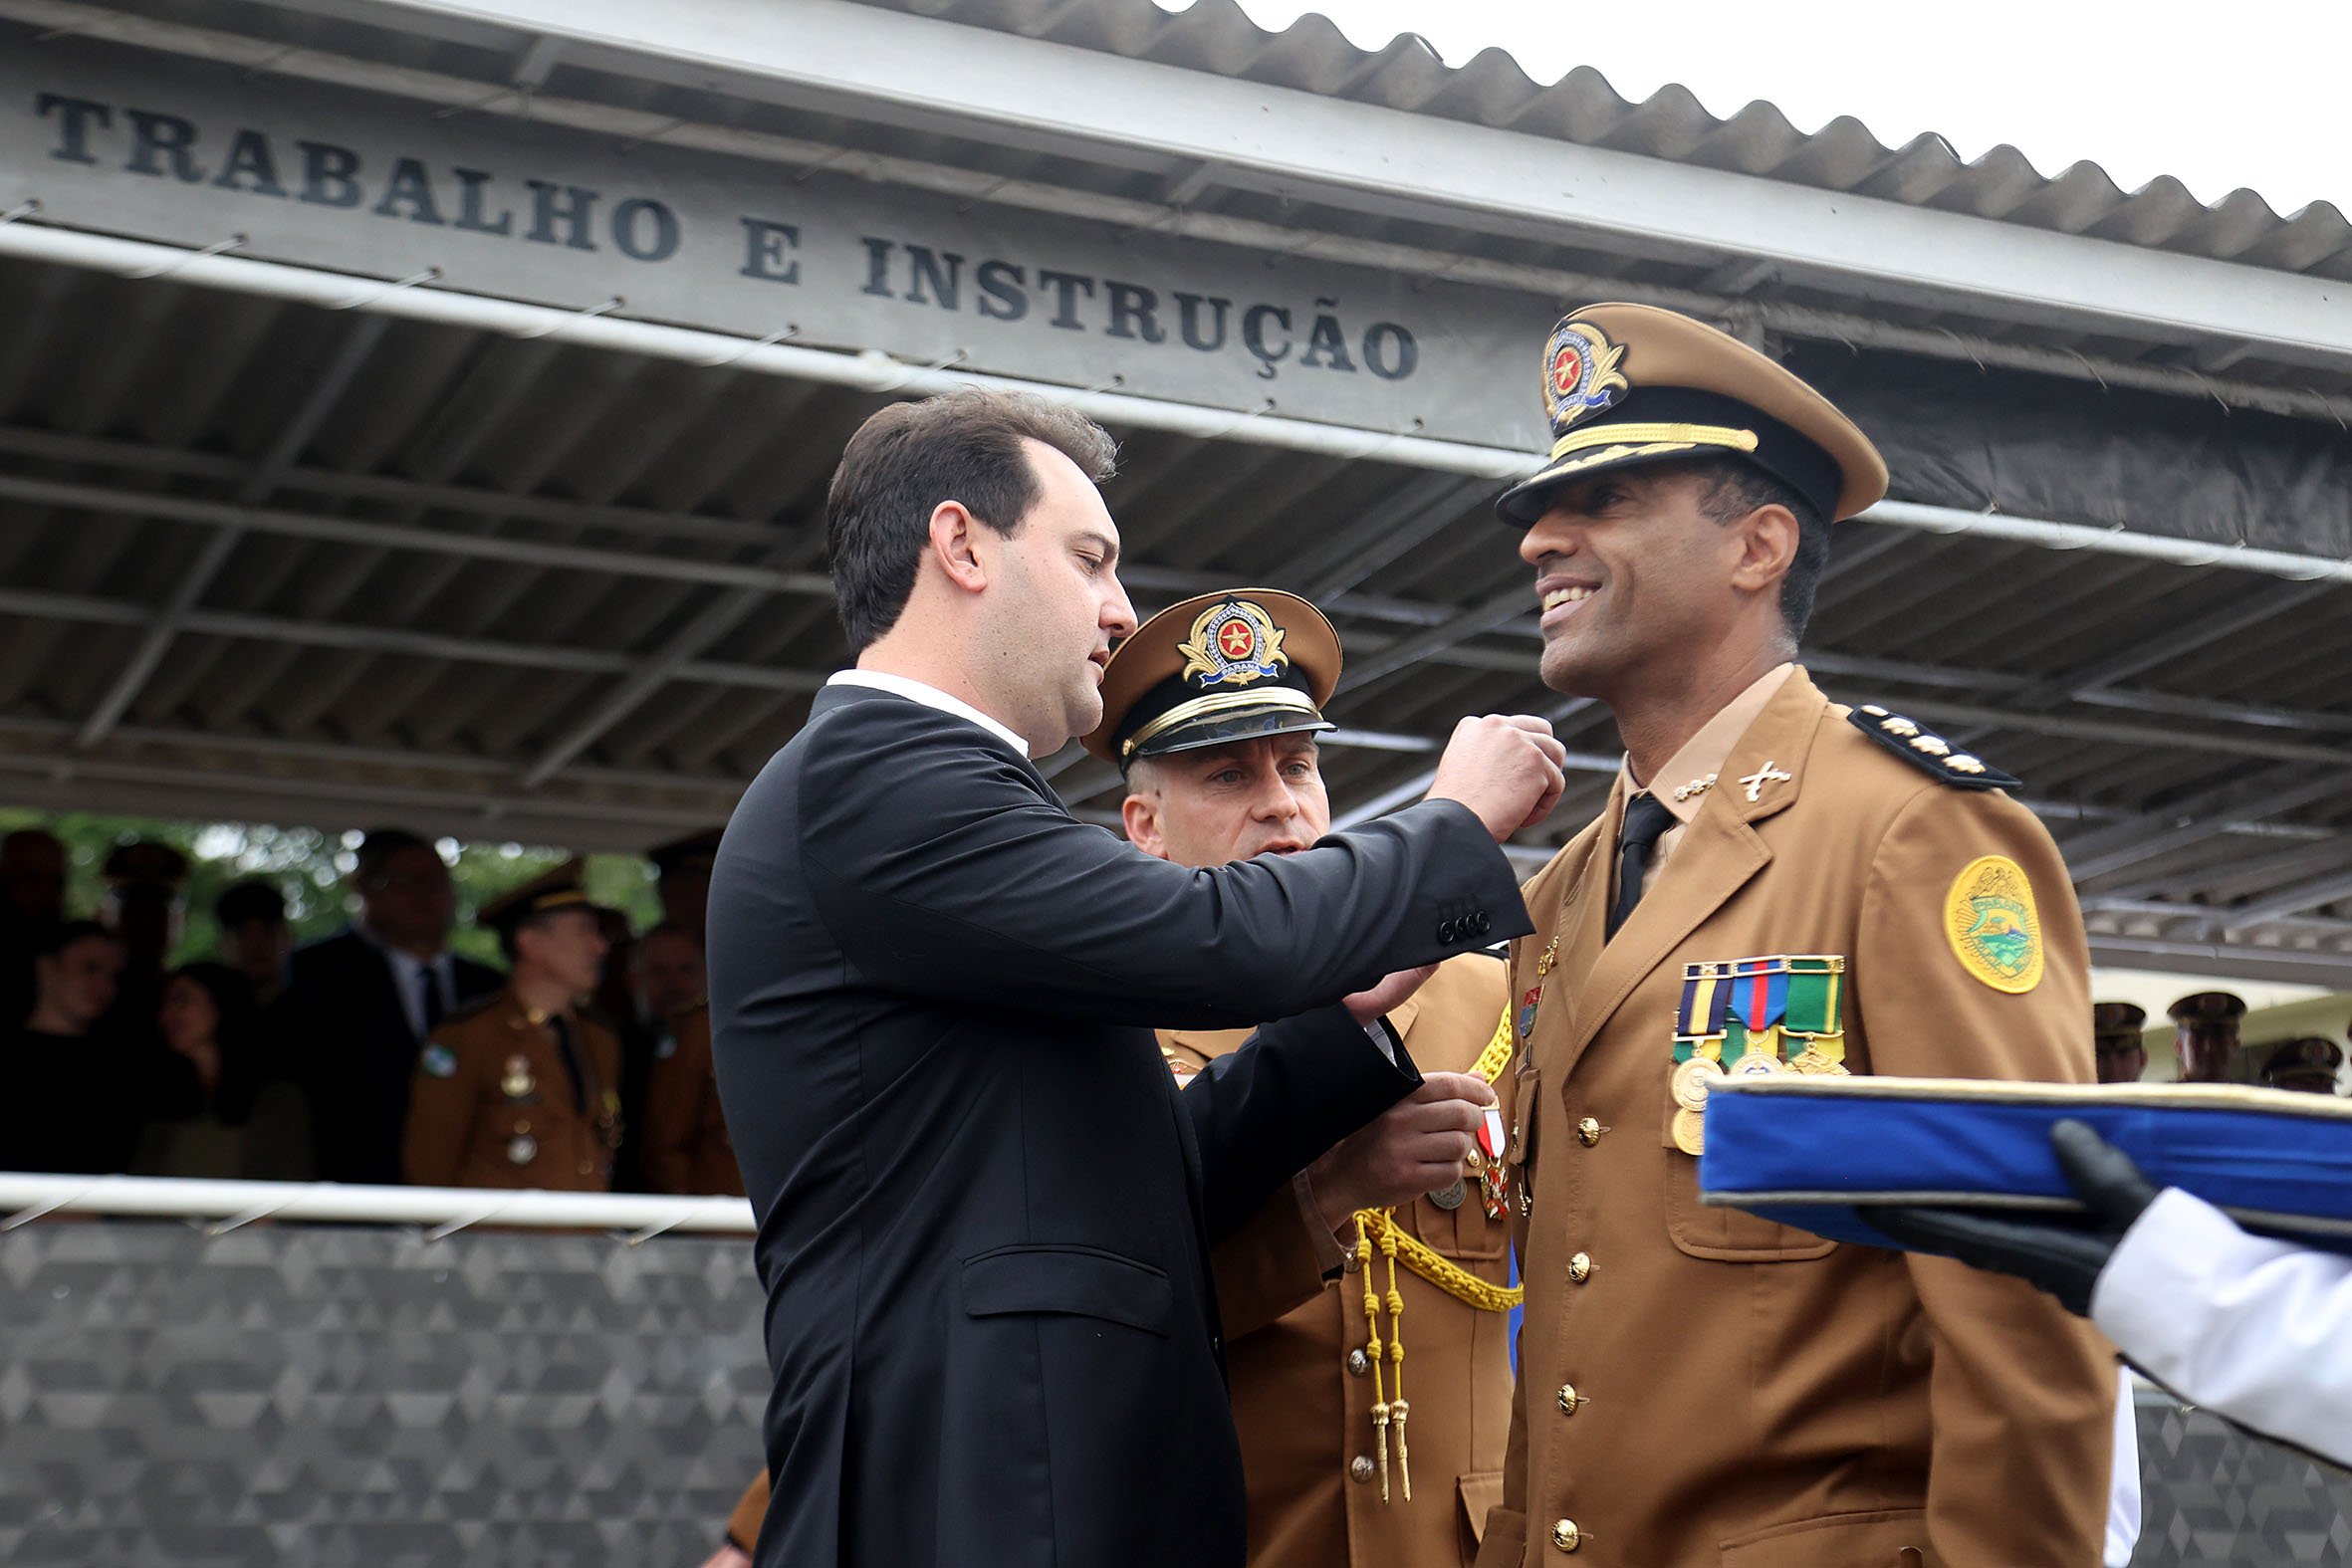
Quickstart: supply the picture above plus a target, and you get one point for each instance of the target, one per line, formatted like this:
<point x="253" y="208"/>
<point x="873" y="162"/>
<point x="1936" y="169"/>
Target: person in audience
<point x="69" y="1104"/>
<point x="523" y="1090"/>
<point x="2117" y="1044"/>
<point x="255" y="939"/>
<point x="210" y="1028"/>
<point x="359" y="1005"/>
<point x="683" y="871"/>
<point x="31" y="900"/>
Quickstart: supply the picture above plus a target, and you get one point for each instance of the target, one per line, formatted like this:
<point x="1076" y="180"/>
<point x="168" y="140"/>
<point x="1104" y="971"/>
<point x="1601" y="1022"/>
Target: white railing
<point x="228" y="1205"/>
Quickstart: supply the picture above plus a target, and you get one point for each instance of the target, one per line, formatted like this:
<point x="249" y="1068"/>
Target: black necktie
<point x="1646" y="821"/>
<point x="429" y="992"/>
<point x="574" y="1068"/>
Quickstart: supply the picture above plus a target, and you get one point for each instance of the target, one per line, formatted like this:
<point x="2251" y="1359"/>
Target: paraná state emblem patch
<point x="1992" y="923"/>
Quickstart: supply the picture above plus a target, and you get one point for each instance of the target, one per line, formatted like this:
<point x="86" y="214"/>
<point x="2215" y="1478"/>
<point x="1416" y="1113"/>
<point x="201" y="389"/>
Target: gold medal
<point x="1814" y="1064"/>
<point x="1689" y="1132"/>
<point x="518" y="1083"/>
<point x="1757" y="1065"/>
<point x="1693" y="1079"/>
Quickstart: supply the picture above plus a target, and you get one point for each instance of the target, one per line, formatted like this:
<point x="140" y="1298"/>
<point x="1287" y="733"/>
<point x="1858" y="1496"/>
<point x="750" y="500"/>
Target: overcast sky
<point x="2252" y="93"/>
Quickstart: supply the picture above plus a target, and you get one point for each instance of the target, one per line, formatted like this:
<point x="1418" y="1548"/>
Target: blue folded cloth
<point x="1812" y="1151"/>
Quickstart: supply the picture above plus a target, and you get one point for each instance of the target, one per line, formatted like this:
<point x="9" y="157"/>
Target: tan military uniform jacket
<point x="492" y="1104"/>
<point x="1700" y="1386"/>
<point x="1301" y="1384"/>
<point x="685" y="1147"/>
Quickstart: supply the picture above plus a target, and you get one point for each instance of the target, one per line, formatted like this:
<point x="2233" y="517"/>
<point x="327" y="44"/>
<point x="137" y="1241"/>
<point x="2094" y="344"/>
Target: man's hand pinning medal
<point x="1507" y="767"/>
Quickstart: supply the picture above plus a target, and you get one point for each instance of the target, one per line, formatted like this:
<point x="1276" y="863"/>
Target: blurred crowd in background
<point x="249" y="1053"/>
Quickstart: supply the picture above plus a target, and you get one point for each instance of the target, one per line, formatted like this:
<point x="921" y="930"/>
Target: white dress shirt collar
<point x="930" y="697"/>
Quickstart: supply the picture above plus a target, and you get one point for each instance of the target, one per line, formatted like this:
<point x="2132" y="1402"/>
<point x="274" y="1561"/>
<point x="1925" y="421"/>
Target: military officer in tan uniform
<point x="524" y="1090"/>
<point x="685" y="1142"/>
<point x="1778" y="883"/>
<point x="1354" y="1451"/>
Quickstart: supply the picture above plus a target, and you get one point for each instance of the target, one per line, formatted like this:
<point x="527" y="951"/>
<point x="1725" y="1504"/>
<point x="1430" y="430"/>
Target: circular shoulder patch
<point x="439" y="1060"/>
<point x="1993" y="926"/>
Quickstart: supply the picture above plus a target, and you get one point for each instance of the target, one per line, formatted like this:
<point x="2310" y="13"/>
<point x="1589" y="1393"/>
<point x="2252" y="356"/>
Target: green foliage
<point x="308" y="867"/>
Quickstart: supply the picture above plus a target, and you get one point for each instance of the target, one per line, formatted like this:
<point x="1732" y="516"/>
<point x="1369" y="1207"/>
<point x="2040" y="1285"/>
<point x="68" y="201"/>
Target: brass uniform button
<point x="1579" y="1268"/>
<point x="1569" y="1399"/>
<point x="586" y="1168"/>
<point x="1567" y="1536"/>
<point x="1361" y="1468"/>
<point x="1588" y="1132"/>
<point x="1358" y="1363"/>
<point x="1349" y="1264"/>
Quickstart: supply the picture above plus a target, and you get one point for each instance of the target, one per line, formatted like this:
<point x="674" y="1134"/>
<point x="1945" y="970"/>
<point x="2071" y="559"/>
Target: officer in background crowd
<point x="2310" y="1065"/>
<point x="2117" y="1041"/>
<point x="684" y="1146"/>
<point x="524" y="1090"/>
<point x="1776" y="884"/>
<point x="2207" y="1039"/>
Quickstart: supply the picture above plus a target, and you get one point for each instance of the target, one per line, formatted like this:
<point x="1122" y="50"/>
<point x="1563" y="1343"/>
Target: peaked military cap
<point x="2208" y="1010"/>
<point x="1626" y="384"/>
<point x="559" y="888"/>
<point x="1221" y="667"/>
<point x="694" y="852"/>
<point x="2312" y="1059"/>
<point x="2117" y="1021"/>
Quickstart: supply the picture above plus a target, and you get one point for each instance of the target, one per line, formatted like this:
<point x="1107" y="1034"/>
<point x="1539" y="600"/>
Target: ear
<point x="1140" y="815"/>
<point x="1767" y="540"/>
<point x="955" y="546"/>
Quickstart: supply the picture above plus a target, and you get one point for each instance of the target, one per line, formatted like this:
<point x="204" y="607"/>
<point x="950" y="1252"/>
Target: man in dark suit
<point x="361" y="1003"/>
<point x="985" y="1212"/>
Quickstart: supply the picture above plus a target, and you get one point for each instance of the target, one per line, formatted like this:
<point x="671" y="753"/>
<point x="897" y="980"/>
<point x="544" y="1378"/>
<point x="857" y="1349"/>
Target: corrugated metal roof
<point x="1492" y="89"/>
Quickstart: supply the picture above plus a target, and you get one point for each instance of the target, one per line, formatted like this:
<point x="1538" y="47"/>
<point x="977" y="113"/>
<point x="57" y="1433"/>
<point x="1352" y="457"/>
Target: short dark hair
<point x="1732" y="489"/>
<point x="242" y="902"/>
<point x="377" y="846"/>
<point x="909" y="458"/>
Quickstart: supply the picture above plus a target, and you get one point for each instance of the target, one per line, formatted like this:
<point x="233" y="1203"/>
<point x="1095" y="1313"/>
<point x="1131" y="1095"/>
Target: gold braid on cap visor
<point x="1219" y="702"/>
<point x="1629" y="435"/>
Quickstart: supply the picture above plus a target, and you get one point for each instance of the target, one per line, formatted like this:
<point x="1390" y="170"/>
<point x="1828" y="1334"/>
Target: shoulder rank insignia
<point x="1930" y="753"/>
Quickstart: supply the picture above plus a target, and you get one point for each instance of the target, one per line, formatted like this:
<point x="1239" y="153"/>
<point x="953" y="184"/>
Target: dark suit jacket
<point x="985" y="1211"/>
<point x="346" y="1040"/>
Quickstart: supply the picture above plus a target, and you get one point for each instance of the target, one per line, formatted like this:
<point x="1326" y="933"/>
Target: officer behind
<point x="1778" y="883"/>
<point x="685" y="1144"/>
<point x="2117" y="1042"/>
<point x="2205" y="1039"/>
<point x="1346" y="1463"/>
<point x="2309" y="1065"/>
<point x="523" y="1090"/>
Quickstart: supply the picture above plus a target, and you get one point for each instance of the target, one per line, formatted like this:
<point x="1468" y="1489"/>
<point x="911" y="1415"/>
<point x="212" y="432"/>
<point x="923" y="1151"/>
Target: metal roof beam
<point x="930" y="75"/>
<point x="2234" y="961"/>
<point x="2107" y="850"/>
<point x="256" y="487"/>
<point x="2315" y="893"/>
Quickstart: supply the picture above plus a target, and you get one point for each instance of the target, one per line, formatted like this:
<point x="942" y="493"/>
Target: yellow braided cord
<point x="1415" y="1254"/>
<point x="1364" y="1257"/>
<point x="1398" y="1408"/>
<point x="1496" y="1055"/>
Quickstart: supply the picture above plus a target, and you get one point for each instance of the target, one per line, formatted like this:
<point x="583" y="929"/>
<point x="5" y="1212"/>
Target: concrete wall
<point x="310" y="1394"/>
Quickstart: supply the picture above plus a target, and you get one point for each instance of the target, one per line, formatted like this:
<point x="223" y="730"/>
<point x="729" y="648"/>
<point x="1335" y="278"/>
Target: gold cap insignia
<point x="1580" y="373"/>
<point x="1232" y="644"/>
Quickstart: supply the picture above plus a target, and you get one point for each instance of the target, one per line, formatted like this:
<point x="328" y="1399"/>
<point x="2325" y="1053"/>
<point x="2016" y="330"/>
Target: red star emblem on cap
<point x="1235" y="639"/>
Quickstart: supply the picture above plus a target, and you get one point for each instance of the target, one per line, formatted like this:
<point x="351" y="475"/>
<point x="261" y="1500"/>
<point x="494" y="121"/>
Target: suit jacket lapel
<point x="1715" y="857"/>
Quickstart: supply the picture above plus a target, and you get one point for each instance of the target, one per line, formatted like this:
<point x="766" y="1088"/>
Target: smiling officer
<point x="1779" y="883"/>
